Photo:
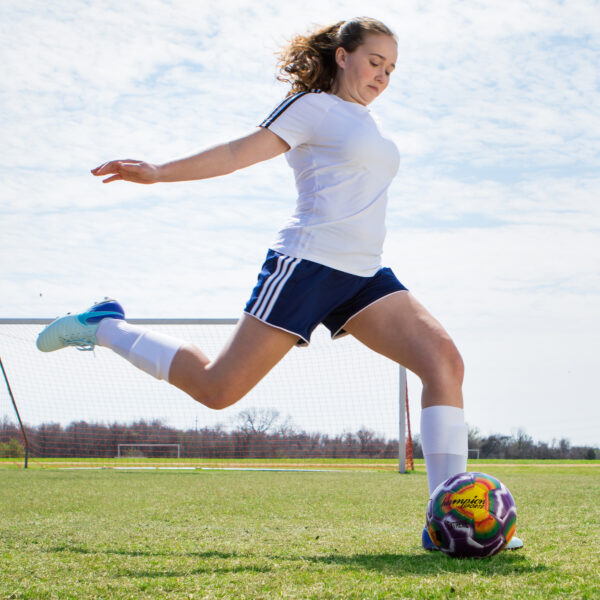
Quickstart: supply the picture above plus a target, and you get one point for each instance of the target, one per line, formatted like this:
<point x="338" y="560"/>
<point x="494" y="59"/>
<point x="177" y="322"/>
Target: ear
<point x="340" y="57"/>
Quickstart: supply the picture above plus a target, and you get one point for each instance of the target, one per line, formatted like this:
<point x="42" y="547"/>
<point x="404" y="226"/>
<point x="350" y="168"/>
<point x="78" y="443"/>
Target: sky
<point x="493" y="219"/>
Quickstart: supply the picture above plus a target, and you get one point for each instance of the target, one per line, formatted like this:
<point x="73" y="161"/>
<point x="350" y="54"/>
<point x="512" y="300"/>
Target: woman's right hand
<point x="136" y="171"/>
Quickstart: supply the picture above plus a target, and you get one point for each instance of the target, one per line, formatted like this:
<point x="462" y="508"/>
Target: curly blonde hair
<point x="308" y="61"/>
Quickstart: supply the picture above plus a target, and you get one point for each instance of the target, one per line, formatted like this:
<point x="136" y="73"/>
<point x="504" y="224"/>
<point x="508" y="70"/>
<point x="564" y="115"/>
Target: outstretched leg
<point x="252" y="351"/>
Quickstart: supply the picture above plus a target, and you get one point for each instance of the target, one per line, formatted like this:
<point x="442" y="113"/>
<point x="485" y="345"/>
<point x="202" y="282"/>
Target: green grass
<point x="231" y="534"/>
<point x="390" y="464"/>
<point x="35" y="462"/>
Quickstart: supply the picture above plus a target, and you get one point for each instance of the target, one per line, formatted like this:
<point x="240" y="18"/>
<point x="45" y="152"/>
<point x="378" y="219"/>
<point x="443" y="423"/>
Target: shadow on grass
<point x="133" y="553"/>
<point x="432" y="563"/>
<point x="418" y="563"/>
<point x="157" y="573"/>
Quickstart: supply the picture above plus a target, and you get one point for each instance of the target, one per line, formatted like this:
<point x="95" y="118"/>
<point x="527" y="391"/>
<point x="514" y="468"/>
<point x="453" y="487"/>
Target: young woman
<point x="324" y="265"/>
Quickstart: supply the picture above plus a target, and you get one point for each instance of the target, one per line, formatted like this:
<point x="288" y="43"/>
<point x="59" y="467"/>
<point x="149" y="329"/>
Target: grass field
<point x="255" y="534"/>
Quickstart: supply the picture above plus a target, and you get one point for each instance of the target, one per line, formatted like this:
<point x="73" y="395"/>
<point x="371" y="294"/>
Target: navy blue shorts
<point x="296" y="295"/>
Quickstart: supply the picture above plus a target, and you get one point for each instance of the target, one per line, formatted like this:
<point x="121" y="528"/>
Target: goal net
<point x="332" y="400"/>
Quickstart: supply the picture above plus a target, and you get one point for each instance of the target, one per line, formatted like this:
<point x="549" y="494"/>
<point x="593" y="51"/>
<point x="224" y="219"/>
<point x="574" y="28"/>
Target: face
<point x="363" y="74"/>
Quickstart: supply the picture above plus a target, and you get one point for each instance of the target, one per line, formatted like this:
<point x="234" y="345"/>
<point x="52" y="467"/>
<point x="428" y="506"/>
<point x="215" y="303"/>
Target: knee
<point x="446" y="366"/>
<point x="457" y="365"/>
<point x="215" y="399"/>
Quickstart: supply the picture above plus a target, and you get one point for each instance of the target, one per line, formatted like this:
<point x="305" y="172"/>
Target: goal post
<point x="333" y="400"/>
<point x="16" y="409"/>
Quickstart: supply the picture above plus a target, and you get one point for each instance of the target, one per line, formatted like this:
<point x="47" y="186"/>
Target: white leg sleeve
<point x="444" y="437"/>
<point x="149" y="351"/>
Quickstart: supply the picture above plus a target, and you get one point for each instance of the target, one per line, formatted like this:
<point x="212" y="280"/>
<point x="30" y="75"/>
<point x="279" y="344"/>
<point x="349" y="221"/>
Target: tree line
<point x="251" y="439"/>
<point x="257" y="434"/>
<point x="519" y="445"/>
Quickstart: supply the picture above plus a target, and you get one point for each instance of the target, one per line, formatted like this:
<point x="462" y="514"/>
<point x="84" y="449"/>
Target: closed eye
<point x="374" y="64"/>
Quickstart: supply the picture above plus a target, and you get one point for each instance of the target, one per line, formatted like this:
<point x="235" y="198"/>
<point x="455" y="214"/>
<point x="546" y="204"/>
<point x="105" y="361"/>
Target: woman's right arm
<point x="219" y="160"/>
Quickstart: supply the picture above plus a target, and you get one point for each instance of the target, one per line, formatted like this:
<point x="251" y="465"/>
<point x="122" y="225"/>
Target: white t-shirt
<point x="343" y="168"/>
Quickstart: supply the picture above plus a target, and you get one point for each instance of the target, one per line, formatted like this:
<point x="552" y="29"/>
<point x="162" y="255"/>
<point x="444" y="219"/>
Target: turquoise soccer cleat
<point x="514" y="544"/>
<point x="427" y="541"/>
<point x="78" y="330"/>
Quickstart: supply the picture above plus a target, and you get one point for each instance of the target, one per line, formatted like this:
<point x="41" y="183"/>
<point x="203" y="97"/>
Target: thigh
<point x="251" y="352"/>
<point x="400" y="327"/>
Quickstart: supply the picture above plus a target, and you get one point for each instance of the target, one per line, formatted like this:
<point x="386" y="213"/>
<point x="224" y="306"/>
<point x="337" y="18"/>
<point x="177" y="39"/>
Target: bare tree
<point x="257" y="420"/>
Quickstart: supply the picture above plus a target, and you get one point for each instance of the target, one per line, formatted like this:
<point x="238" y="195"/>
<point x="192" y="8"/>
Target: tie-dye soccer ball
<point x="471" y="515"/>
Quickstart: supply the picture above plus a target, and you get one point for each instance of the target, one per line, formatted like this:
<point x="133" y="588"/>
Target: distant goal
<point x="129" y="450"/>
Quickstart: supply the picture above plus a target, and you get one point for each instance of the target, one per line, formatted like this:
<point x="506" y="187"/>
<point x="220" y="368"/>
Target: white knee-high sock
<point x="149" y="351"/>
<point x="444" y="437"/>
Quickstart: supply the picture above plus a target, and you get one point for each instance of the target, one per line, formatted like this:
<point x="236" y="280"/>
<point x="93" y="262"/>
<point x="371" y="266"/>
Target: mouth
<point x="374" y="88"/>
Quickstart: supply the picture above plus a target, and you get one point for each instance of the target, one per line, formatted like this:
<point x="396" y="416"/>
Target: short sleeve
<point x="297" y="118"/>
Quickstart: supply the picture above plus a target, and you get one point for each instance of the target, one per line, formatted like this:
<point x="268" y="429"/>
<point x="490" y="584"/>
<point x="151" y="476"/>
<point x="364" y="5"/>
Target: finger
<point x="113" y="166"/>
<point x="107" y="167"/>
<point x="96" y="170"/>
<point x="113" y="178"/>
<point x="128" y="166"/>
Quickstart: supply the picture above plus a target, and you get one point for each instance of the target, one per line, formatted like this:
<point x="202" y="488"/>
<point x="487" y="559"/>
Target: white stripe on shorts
<point x="280" y="287"/>
<point x="273" y="286"/>
<point x="268" y="282"/>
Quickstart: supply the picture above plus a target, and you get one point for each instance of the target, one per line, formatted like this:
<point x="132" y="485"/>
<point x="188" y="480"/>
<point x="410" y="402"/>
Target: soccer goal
<point x="333" y="400"/>
<point x="139" y="450"/>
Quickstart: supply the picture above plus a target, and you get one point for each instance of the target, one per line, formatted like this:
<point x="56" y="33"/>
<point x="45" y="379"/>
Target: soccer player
<point x="324" y="265"/>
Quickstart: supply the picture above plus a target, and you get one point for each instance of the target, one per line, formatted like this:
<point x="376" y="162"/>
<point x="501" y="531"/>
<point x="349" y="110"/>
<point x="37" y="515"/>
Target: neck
<point x="340" y="91"/>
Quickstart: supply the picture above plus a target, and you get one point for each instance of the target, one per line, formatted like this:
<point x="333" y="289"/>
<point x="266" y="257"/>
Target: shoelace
<point x="82" y="345"/>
